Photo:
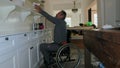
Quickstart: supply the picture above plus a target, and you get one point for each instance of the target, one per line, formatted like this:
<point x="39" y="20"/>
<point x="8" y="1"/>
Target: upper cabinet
<point x="16" y="16"/>
<point x="109" y="12"/>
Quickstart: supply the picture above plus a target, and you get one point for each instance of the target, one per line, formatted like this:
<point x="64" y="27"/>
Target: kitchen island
<point x="105" y="45"/>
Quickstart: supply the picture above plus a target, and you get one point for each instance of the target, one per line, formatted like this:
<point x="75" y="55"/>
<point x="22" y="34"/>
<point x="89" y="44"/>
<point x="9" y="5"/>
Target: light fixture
<point x="74" y="9"/>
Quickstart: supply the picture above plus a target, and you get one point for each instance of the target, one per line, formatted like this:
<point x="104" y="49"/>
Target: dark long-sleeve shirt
<point x="60" y="32"/>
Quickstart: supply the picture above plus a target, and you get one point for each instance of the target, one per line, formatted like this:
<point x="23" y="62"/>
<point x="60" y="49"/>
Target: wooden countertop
<point x="79" y="28"/>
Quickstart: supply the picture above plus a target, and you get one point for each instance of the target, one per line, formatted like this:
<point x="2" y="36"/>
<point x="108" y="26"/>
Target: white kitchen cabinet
<point x="108" y="12"/>
<point x="8" y="54"/>
<point x="23" y="58"/>
<point x="33" y="56"/>
<point x="33" y="49"/>
<point x="22" y="50"/>
<point x="21" y="42"/>
<point x="9" y="60"/>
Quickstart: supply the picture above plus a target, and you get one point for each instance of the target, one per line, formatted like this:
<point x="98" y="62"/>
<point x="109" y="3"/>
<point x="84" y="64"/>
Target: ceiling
<point x="64" y="4"/>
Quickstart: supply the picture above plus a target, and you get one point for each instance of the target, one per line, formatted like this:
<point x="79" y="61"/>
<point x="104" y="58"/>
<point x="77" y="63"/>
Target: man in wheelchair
<point x="60" y="33"/>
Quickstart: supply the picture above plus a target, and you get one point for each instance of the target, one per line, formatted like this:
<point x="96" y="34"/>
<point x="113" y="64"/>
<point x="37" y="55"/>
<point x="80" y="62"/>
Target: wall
<point x="75" y="17"/>
<point x="85" y="4"/>
<point x="108" y="12"/>
<point x="48" y="8"/>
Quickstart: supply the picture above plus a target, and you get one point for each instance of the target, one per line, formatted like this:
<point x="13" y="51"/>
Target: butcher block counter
<point x="105" y="45"/>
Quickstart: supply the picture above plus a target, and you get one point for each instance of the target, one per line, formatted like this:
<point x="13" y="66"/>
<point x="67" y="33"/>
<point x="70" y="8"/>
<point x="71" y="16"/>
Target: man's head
<point x="61" y="15"/>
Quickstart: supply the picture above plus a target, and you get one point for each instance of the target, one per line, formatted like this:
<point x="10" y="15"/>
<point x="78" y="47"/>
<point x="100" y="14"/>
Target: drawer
<point x="6" y="44"/>
<point x="33" y="35"/>
<point x="21" y="38"/>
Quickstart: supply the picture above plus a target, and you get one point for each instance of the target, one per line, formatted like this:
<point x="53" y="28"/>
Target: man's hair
<point x="64" y="13"/>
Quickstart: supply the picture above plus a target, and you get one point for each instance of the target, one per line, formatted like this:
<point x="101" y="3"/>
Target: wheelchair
<point x="67" y="53"/>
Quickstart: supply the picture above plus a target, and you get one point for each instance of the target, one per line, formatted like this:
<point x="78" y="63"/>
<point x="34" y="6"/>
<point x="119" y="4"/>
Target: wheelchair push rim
<point x="58" y="58"/>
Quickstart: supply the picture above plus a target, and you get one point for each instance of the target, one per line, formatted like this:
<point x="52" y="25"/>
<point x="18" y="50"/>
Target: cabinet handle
<point x="31" y="47"/>
<point x="7" y="38"/>
<point x="25" y="34"/>
<point x="35" y="33"/>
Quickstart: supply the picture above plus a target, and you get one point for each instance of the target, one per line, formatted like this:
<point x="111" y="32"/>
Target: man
<point x="60" y="33"/>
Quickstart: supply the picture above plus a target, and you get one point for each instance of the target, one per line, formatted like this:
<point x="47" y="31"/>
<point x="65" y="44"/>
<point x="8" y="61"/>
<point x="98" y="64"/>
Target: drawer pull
<point x="31" y="47"/>
<point x="7" y="38"/>
<point x="25" y="35"/>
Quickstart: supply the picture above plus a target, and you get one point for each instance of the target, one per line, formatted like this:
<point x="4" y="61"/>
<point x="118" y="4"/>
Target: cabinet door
<point x="23" y="56"/>
<point x="21" y="41"/>
<point x="33" y="55"/>
<point x="8" y="54"/>
<point x="8" y="60"/>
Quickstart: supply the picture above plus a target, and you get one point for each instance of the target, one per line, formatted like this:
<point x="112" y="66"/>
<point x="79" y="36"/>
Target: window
<point x="68" y="21"/>
<point x="95" y="19"/>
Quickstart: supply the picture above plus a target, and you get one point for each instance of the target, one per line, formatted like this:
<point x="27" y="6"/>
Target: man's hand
<point x="38" y="8"/>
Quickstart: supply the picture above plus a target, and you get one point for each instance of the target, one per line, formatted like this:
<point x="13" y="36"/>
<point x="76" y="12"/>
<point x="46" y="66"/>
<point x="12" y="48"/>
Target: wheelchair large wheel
<point x="71" y="58"/>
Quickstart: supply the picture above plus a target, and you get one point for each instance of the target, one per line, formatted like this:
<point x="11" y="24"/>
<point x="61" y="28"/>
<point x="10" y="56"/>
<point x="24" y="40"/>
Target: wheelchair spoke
<point x="68" y="53"/>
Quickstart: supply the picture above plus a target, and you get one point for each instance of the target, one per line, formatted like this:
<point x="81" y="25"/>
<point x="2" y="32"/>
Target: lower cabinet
<point x="23" y="58"/>
<point x="21" y="50"/>
<point x="8" y="60"/>
<point x="8" y="54"/>
<point x="33" y="56"/>
<point x="28" y="56"/>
